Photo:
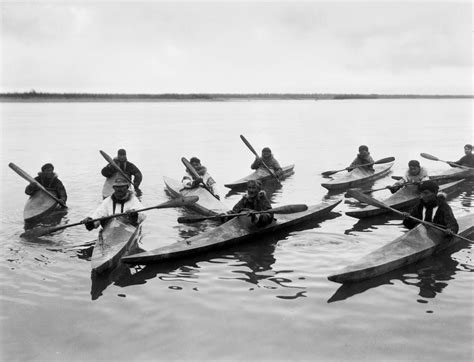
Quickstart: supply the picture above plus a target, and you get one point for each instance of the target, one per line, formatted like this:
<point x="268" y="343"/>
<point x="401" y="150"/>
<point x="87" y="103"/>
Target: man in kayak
<point x="255" y="200"/>
<point x="190" y="182"/>
<point x="122" y="200"/>
<point x="127" y="167"/>
<point x="415" y="174"/>
<point x="267" y="159"/>
<point x="432" y="207"/>
<point x="50" y="181"/>
<point x="362" y="158"/>
<point x="467" y="159"/>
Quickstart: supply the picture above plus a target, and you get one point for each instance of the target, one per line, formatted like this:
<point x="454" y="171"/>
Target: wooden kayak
<point x="207" y="204"/>
<point x="38" y="206"/>
<point x="236" y="230"/>
<point x="416" y="244"/>
<point x="404" y="198"/>
<point x="115" y="240"/>
<point x="357" y="177"/>
<point x="262" y="175"/>
<point x="456" y="173"/>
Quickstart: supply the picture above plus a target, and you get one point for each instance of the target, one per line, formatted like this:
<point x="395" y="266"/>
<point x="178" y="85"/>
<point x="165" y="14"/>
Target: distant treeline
<point x="91" y="97"/>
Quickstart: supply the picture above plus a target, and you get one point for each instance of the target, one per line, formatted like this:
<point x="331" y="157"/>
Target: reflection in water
<point x="49" y="220"/>
<point x="370" y="223"/>
<point x="467" y="194"/>
<point x="431" y="275"/>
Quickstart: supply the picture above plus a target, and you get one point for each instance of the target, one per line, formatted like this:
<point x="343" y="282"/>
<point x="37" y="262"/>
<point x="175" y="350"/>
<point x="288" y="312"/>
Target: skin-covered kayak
<point x="456" y="173"/>
<point x="418" y="243"/>
<point x="115" y="240"/>
<point x="237" y="230"/>
<point x="207" y="204"/>
<point x="357" y="177"/>
<point x="38" y="206"/>
<point x="261" y="175"/>
<point x="403" y="199"/>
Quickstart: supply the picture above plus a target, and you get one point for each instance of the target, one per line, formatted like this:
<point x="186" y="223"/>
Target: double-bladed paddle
<point x="195" y="174"/>
<point x="378" y="162"/>
<point x="433" y="158"/>
<point x="247" y="143"/>
<point x="287" y="209"/>
<point x="114" y="165"/>
<point x="371" y="201"/>
<point x="178" y="202"/>
<point x="30" y="179"/>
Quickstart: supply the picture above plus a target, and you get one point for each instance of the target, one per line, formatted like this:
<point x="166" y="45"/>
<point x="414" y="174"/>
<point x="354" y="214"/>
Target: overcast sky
<point x="237" y="47"/>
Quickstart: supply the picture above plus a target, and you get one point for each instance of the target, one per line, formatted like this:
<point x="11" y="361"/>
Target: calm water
<point x="269" y="299"/>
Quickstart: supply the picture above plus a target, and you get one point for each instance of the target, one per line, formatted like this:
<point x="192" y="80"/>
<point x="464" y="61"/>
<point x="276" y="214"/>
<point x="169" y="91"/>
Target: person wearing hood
<point x="255" y="200"/>
<point x="127" y="167"/>
<point x="415" y="174"/>
<point x="49" y="179"/>
<point x="122" y="200"/>
<point x="189" y="181"/>
<point x="267" y="159"/>
<point x="432" y="207"/>
<point x="362" y="158"/>
<point x="467" y="159"/>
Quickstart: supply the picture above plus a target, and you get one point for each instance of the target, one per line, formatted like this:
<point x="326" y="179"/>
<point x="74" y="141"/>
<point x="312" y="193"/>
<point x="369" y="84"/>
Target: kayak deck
<point x="404" y="198"/>
<point x="262" y="175"/>
<point x="37" y="206"/>
<point x="237" y="230"/>
<point x="357" y="177"/>
<point x="207" y="204"/>
<point x="416" y="244"/>
<point x="456" y="173"/>
<point x="115" y="240"/>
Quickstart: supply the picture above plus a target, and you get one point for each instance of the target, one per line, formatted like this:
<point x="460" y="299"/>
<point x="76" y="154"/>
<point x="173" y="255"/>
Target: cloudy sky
<point x="236" y="46"/>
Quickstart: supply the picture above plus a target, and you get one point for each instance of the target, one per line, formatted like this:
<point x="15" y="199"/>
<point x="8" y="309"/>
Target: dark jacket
<point x="362" y="161"/>
<point x="443" y="216"/>
<point x="467" y="160"/>
<point x="271" y="163"/>
<point x="259" y="203"/>
<point x="129" y="168"/>
<point x="55" y="186"/>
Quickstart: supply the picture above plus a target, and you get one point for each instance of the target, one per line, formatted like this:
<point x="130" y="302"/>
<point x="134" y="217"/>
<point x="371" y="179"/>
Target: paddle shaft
<point x="383" y="160"/>
<point x="114" y="165"/>
<point x="30" y="179"/>
<point x="195" y="174"/>
<point x="256" y="154"/>
<point x="434" y="158"/>
<point x="371" y="201"/>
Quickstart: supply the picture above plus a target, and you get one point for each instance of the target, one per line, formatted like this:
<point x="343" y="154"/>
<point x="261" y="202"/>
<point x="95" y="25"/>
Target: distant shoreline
<point x="211" y="97"/>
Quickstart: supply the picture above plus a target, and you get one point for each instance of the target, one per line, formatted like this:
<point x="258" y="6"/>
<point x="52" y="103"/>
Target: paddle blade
<point x="288" y="209"/>
<point x="384" y="160"/>
<point x="429" y="157"/>
<point x="178" y="202"/>
<point x="329" y="173"/>
<point x="356" y="194"/>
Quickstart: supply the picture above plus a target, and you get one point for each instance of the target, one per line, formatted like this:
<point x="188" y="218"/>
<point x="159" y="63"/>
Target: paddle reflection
<point x="430" y="275"/>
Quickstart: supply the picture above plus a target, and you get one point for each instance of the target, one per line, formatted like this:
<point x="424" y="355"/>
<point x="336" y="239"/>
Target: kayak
<point x="404" y="198"/>
<point x="207" y="204"/>
<point x="456" y="173"/>
<point x="357" y="177"/>
<point x="237" y="230"/>
<point x="107" y="189"/>
<point x="115" y="240"/>
<point x="39" y="205"/>
<point x="416" y="244"/>
<point x="262" y="175"/>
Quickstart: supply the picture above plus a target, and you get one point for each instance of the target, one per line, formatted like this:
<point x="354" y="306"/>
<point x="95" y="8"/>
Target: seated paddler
<point x="127" y="167"/>
<point x="466" y="160"/>
<point x="432" y="207"/>
<point x="190" y="181"/>
<point x="269" y="160"/>
<point x="49" y="179"/>
<point x="362" y="158"/>
<point x="122" y="200"/>
<point x="254" y="200"/>
<point x="415" y="174"/>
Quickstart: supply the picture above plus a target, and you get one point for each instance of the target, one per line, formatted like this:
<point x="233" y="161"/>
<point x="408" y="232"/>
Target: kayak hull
<point x="38" y="206"/>
<point x="237" y="230"/>
<point x="115" y="240"/>
<point x="404" y="198"/>
<point x="456" y="173"/>
<point x="261" y="175"/>
<point x="416" y="244"/>
<point x="357" y="177"/>
<point x="207" y="204"/>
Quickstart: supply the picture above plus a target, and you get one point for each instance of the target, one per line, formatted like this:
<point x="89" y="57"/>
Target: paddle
<point x="256" y="154"/>
<point x="193" y="172"/>
<point x="287" y="209"/>
<point x="30" y="179"/>
<point x="114" y="165"/>
<point x="371" y="201"/>
<point x="433" y="158"/>
<point x="182" y="201"/>
<point x="378" y="162"/>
